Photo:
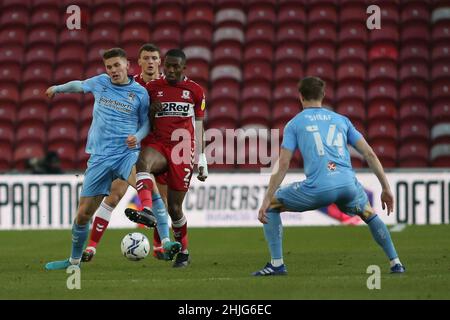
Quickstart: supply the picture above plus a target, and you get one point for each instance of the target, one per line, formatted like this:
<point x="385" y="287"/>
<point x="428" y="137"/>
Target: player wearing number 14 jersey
<point x="322" y="137"/>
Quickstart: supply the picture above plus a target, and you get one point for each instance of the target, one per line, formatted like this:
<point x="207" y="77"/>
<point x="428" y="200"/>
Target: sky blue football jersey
<point x="322" y="136"/>
<point x="119" y="111"/>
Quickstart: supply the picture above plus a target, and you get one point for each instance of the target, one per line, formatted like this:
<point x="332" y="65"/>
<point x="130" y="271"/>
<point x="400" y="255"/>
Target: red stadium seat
<point x="67" y="153"/>
<point x="283" y="112"/>
<point x="94" y="69"/>
<point x="352" y="109"/>
<point x="351" y="90"/>
<point x="388" y="33"/>
<point x="413" y="155"/>
<point x="34" y="92"/>
<point x="389" y="12"/>
<point x="414" y="90"/>
<point x="12" y="55"/>
<point x="82" y="158"/>
<point x="386" y="151"/>
<point x="414" y="131"/>
<point x="414" y="53"/>
<point x="352" y="12"/>
<point x="40" y="54"/>
<point x="168" y="14"/>
<point x="167" y="33"/>
<point x="223" y="111"/>
<point x="321" y="52"/>
<point x="14" y="17"/>
<point x="441" y="32"/>
<point x="258" y="52"/>
<point x="286" y="92"/>
<point x="13" y="36"/>
<point x="225" y="91"/>
<point x="197" y="54"/>
<point x="9" y="94"/>
<point x="382" y="109"/>
<point x="63" y="132"/>
<point x="261" y="13"/>
<point x="45" y="16"/>
<point x="33" y="133"/>
<point x="440" y="71"/>
<point x="257" y="112"/>
<point x="440" y="52"/>
<point x="199" y="14"/>
<point x="6" y="157"/>
<point x="440" y="90"/>
<point x="291" y="32"/>
<point x="322" y="32"/>
<point x="7" y="113"/>
<point x="26" y="151"/>
<point x="351" y="71"/>
<point x="198" y="35"/>
<point x="6" y="134"/>
<point x="416" y="32"/>
<point x="67" y="72"/>
<point x="34" y="113"/>
<point x="289" y="52"/>
<point x="104" y="15"/>
<point x="10" y="74"/>
<point x="86" y="115"/>
<point x="383" y="70"/>
<point x="383" y="51"/>
<point x="137" y="15"/>
<point x="292" y="71"/>
<point x="440" y="111"/>
<point x="227" y="53"/>
<point x="198" y="71"/>
<point x="323" y="70"/>
<point x="73" y="53"/>
<point x="352" y="32"/>
<point x="352" y="52"/>
<point x="67" y="112"/>
<point x="382" y="90"/>
<point x="135" y="34"/>
<point x="73" y="37"/>
<point x="414" y="109"/>
<point x="291" y="12"/>
<point x="255" y="72"/>
<point x="260" y="33"/>
<point x="414" y="70"/>
<point x="382" y="129"/>
<point x="104" y="34"/>
<point x="415" y="12"/>
<point x="254" y="93"/>
<point x="163" y="3"/>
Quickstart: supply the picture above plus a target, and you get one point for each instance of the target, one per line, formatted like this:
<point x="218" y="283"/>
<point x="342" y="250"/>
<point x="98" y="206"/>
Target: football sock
<point x="79" y="236"/>
<point x="382" y="236"/>
<point x="277" y="262"/>
<point x="273" y="231"/>
<point x="395" y="261"/>
<point x="180" y="233"/>
<point x="160" y="212"/>
<point x="144" y="186"/>
<point x="101" y="221"/>
<point x="156" y="239"/>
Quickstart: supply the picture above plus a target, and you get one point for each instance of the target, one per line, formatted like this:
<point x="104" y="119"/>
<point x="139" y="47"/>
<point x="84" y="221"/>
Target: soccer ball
<point x="135" y="246"/>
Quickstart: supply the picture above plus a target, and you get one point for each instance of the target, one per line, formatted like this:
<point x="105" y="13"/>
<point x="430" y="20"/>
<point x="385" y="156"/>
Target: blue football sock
<point x="273" y="232"/>
<point x="79" y="236"/>
<point x="382" y="236"/>
<point x="160" y="212"/>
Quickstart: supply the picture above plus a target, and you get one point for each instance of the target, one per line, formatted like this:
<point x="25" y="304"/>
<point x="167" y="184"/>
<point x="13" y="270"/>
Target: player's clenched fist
<point x="50" y="92"/>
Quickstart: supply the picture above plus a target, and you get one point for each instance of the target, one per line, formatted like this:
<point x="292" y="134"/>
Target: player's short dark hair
<point x="177" y="53"/>
<point x="149" y="47"/>
<point x="114" y="52"/>
<point x="312" y="88"/>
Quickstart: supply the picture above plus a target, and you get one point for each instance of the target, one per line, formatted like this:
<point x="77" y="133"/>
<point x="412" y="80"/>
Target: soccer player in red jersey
<point x="171" y="145"/>
<point x="149" y="60"/>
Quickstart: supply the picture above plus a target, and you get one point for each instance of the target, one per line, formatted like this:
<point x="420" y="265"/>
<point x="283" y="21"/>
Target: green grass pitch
<point x="323" y="263"/>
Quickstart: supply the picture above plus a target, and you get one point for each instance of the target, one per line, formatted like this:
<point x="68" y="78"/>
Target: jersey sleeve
<point x="353" y="135"/>
<point x="200" y="103"/>
<point x="289" y="137"/>
<point x="93" y="84"/>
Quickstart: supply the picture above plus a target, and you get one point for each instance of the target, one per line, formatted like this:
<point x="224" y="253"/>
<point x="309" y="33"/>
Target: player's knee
<point x="83" y="217"/>
<point x="367" y="214"/>
<point x="175" y="211"/>
<point x="117" y="192"/>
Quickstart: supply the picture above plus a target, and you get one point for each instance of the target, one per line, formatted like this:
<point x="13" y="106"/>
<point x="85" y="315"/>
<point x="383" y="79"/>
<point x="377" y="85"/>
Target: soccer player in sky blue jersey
<point x="322" y="136"/>
<point x="120" y="122"/>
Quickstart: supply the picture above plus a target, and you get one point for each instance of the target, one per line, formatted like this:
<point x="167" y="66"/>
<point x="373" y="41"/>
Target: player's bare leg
<point x="382" y="236"/>
<point x="80" y="231"/>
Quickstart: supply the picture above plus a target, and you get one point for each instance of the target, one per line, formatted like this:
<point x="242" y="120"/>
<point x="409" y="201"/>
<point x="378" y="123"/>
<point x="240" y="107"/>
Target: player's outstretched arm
<point x="200" y="140"/>
<point x="69" y="87"/>
<point x="276" y="179"/>
<point x="387" y="199"/>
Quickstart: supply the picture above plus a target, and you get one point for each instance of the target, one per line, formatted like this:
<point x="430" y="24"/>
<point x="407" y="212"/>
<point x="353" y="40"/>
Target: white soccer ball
<point x="135" y="246"/>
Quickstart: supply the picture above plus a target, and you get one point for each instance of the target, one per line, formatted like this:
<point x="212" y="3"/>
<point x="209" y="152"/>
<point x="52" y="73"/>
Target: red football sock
<point x="144" y="186"/>
<point x="156" y="239"/>
<point x="180" y="232"/>
<point x="100" y="224"/>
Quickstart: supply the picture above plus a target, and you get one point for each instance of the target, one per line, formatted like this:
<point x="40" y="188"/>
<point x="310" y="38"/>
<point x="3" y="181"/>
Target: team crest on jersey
<point x="331" y="166"/>
<point x="131" y="96"/>
<point x="186" y="94"/>
<point x="160" y="94"/>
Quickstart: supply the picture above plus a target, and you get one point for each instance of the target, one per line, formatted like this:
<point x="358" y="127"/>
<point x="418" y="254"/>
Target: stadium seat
<point x="171" y="3"/>
<point x="221" y="155"/>
<point x="352" y="109"/>
<point x="352" y="12"/>
<point x="258" y="52"/>
<point x="350" y="90"/>
<point x="66" y="72"/>
<point x="355" y="32"/>
<point x="416" y="11"/>
<point x="255" y="112"/>
<point x="386" y="151"/>
<point x="413" y="155"/>
<point x="285" y="111"/>
<point x="414" y="131"/>
<point x="440" y="112"/>
<point x="199" y="14"/>
<point x="292" y="71"/>
<point x="7" y="113"/>
<point x="440" y="90"/>
<point x="10" y="74"/>
<point x="34" y="133"/>
<point x="45" y="16"/>
<point x="33" y="92"/>
<point x="250" y="149"/>
<point x="73" y="37"/>
<point x="261" y="13"/>
<point x="382" y="69"/>
<point x="440" y="32"/>
<point x="225" y="90"/>
<point x="9" y="93"/>
<point x="415" y="33"/>
<point x="414" y="70"/>
<point x="322" y="12"/>
<point x="414" y="89"/>
<point x="322" y="32"/>
<point x="198" y="71"/>
<point x="256" y="72"/>
<point x="286" y="92"/>
<point x="26" y="151"/>
<point x="323" y="70"/>
<point x="86" y="115"/>
<point x="13" y="36"/>
<point x="290" y="33"/>
<point x="230" y="18"/>
<point x="380" y="130"/>
<point x="33" y="113"/>
<point x="260" y="33"/>
<point x="70" y="111"/>
<point x="414" y="53"/>
<point x="63" y="132"/>
<point x="382" y="90"/>
<point x="170" y="33"/>
<point x="198" y="35"/>
<point x="67" y="153"/>
<point x="440" y="155"/>
<point x="440" y="71"/>
<point x="82" y="158"/>
<point x="72" y="53"/>
<point x="223" y="72"/>
<point x="223" y="111"/>
<point x="382" y="109"/>
<point x="440" y="133"/>
<point x="6" y="157"/>
<point x="259" y="92"/>
<point x="168" y="15"/>
<point x="197" y="54"/>
<point x="288" y="53"/>
<point x="107" y="34"/>
<point x="440" y="52"/>
<point x="321" y="52"/>
<point x="388" y="33"/>
<point x="137" y="15"/>
<point x="228" y="35"/>
<point x="135" y="34"/>
<point x="14" y="17"/>
<point x="228" y="53"/>
<point x="104" y="15"/>
<point x="12" y="55"/>
<point x="40" y="54"/>
<point x="414" y="109"/>
<point x="351" y="71"/>
<point x="6" y="134"/>
<point x="291" y="12"/>
<point x="352" y="52"/>
<point x="383" y="51"/>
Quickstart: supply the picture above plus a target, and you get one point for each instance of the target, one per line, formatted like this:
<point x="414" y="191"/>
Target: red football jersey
<point x="181" y="104"/>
